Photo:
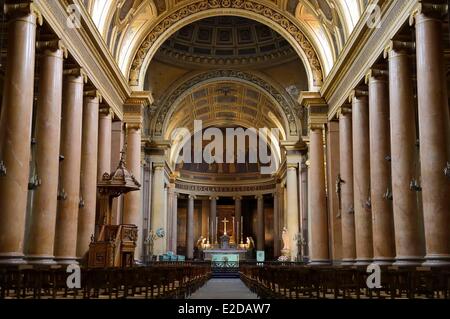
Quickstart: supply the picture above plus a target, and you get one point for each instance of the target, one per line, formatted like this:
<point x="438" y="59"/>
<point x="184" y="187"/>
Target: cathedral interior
<point x="285" y="144"/>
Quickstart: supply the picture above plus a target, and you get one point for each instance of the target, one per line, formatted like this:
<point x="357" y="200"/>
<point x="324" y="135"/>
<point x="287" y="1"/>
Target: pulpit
<point x="113" y="245"/>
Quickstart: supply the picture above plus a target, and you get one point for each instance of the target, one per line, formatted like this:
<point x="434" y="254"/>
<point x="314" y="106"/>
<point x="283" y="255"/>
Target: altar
<point x="224" y="255"/>
<point x="226" y="252"/>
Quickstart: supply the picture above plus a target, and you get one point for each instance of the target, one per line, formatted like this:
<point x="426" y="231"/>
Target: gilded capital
<point x="317" y="127"/>
<point x="357" y="94"/>
<point x="345" y="109"/>
<point x="93" y="94"/>
<point x="52" y="46"/>
<point x="17" y="10"/>
<point x="106" y="110"/>
<point x="133" y="126"/>
<point x="76" y="72"/>
<point x="376" y="74"/>
<point x="429" y="10"/>
<point x="399" y="47"/>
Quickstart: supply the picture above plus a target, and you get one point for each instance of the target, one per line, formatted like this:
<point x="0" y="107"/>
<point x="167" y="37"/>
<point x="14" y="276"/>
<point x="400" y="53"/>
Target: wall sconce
<point x="388" y="195"/>
<point x="351" y="210"/>
<point x="415" y="186"/>
<point x="368" y="204"/>
<point x="81" y="204"/>
<point x="34" y="182"/>
<point x="62" y="195"/>
<point x="2" y="169"/>
<point x="447" y="170"/>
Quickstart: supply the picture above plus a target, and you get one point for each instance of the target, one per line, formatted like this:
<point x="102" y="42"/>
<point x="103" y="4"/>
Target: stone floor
<point x="224" y="289"/>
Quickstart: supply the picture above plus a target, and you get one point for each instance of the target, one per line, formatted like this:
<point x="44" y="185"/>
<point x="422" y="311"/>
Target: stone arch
<point x="267" y="14"/>
<point x="285" y="104"/>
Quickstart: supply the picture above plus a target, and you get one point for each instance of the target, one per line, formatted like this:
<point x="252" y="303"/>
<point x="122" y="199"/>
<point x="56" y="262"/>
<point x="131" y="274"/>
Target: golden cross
<point x="225" y="221"/>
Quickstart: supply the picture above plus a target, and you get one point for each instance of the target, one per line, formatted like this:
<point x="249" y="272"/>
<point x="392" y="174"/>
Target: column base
<point x="319" y="262"/>
<point x="66" y="260"/>
<point x="12" y="259"/>
<point x="347" y="262"/>
<point x="383" y="261"/>
<point x="408" y="261"/>
<point x="363" y="262"/>
<point x="436" y="260"/>
<point x="40" y="260"/>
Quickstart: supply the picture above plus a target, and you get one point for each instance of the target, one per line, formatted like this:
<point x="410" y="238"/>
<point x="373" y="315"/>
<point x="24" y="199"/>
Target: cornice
<point x="363" y="48"/>
<point x="87" y="47"/>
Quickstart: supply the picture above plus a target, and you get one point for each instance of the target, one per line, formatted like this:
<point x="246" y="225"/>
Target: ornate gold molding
<point x="275" y="15"/>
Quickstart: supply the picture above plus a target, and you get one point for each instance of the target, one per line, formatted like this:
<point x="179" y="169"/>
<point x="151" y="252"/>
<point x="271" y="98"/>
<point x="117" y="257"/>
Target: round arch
<point x="266" y="14"/>
<point x="290" y="123"/>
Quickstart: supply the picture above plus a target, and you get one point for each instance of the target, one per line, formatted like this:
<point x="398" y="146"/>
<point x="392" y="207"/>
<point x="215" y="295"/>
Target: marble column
<point x="190" y="228"/>
<point x="276" y="221"/>
<point x="48" y="126"/>
<point x="292" y="209"/>
<point x="158" y="219"/>
<point x="69" y="183"/>
<point x="237" y="217"/>
<point x="15" y="131"/>
<point x="346" y="186"/>
<point x="434" y="136"/>
<point x="380" y="173"/>
<point x="88" y="186"/>
<point x="332" y="171"/>
<point x="403" y="158"/>
<point x="260" y="239"/>
<point x="104" y="142"/>
<point x="174" y="238"/>
<point x="361" y="180"/>
<point x="212" y="219"/>
<point x="172" y="208"/>
<point x="303" y="206"/>
<point x="132" y="213"/>
<point x="319" y="250"/>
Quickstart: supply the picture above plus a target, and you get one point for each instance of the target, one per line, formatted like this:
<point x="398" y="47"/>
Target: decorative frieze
<point x="223" y="189"/>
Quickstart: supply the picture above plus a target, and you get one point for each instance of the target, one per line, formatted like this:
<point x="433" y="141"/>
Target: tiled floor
<point x="224" y="289"/>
